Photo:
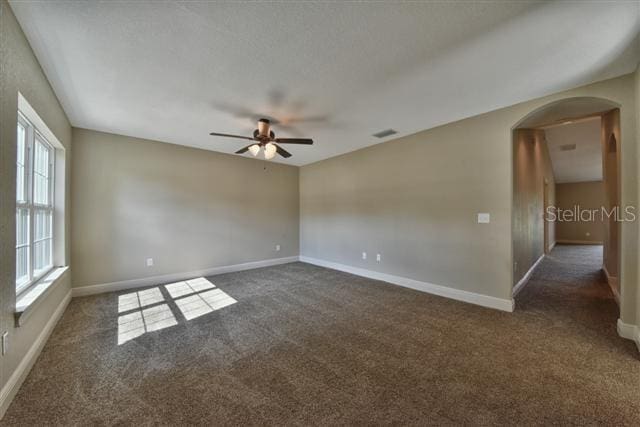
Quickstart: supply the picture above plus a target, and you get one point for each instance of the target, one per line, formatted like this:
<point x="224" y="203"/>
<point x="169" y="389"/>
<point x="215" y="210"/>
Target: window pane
<point x="22" y="265"/>
<point x="42" y="241"/>
<point x="42" y="225"/>
<point x="20" y="164"/>
<point x="22" y="246"/>
<point x="22" y="227"/>
<point x="41" y="256"/>
<point x="41" y="173"/>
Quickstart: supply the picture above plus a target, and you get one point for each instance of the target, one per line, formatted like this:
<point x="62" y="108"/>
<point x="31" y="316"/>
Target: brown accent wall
<point x="588" y="196"/>
<point x="532" y="169"/>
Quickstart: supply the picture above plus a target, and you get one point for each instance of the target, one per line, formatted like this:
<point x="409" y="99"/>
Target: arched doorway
<point x="533" y="178"/>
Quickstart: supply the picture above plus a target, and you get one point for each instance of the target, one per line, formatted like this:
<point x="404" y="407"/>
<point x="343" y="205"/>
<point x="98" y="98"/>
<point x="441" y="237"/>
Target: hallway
<point x="569" y="293"/>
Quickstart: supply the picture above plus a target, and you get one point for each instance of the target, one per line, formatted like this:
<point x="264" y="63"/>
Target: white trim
<point x="551" y="246"/>
<point x="630" y="332"/>
<point x="578" y="242"/>
<point x="27" y="302"/>
<point x="33" y="137"/>
<point x="15" y="381"/>
<point x="79" y="291"/>
<point x="613" y="284"/>
<point x="30" y="114"/>
<point x="525" y="279"/>
<point x="443" y="291"/>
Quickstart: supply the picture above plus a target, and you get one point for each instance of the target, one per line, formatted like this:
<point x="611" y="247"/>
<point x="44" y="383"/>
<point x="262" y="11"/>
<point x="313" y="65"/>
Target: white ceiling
<point x="585" y="162"/>
<point x="174" y="71"/>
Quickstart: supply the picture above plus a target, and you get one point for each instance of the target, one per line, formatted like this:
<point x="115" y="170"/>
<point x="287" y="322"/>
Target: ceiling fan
<point x="265" y="139"/>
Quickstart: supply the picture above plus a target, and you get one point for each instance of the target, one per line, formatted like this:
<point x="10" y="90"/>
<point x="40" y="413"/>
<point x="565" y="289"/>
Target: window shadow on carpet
<point x="161" y="307"/>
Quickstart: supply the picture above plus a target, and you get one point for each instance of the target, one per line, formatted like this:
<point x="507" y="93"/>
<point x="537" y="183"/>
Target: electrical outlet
<point x="149" y="262"/>
<point x="5" y="342"/>
<point x="277" y="248"/>
<point x="364" y="255"/>
<point x="378" y="257"/>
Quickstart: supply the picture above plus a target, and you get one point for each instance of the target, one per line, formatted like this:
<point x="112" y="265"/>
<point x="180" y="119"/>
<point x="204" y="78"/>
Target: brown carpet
<point x="306" y="345"/>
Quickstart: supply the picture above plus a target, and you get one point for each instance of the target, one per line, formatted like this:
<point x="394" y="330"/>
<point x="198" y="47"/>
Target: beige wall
<point x="415" y="200"/>
<point x="637" y="261"/>
<point x="21" y="72"/>
<point x="188" y="209"/>
<point x="588" y="196"/>
<point x="532" y="176"/>
<point x="610" y="141"/>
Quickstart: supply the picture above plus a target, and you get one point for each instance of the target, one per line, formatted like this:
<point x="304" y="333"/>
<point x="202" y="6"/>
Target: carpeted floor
<point x="299" y="344"/>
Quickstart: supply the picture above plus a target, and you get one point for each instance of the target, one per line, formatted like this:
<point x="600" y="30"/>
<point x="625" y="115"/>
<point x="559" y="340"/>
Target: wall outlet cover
<point x="484" y="218"/>
<point x="364" y="255"/>
<point x="149" y="262"/>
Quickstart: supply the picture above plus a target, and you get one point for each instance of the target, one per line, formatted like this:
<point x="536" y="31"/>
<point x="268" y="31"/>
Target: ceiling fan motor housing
<point x="263" y="128"/>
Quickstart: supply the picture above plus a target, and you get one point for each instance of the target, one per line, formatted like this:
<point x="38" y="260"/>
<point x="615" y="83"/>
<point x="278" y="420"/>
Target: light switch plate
<point x="484" y="218"/>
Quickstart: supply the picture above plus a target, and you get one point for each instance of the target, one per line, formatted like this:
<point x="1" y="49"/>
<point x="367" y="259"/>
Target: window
<point x="34" y="204"/>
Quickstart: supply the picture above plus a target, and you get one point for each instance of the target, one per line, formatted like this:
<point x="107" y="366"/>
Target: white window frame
<point x="31" y="134"/>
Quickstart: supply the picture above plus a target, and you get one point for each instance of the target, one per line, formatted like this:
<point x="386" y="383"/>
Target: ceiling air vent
<point x="567" y="147"/>
<point x="385" y="133"/>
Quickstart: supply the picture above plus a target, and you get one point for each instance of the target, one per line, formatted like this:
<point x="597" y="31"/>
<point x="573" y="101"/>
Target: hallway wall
<point x="532" y="169"/>
<point x="610" y="170"/>
<point x="588" y="196"/>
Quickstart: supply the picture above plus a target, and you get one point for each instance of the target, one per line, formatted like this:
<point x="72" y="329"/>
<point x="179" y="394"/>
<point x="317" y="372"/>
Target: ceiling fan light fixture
<point x="254" y="149"/>
<point x="269" y="151"/>
<point x="262" y="138"/>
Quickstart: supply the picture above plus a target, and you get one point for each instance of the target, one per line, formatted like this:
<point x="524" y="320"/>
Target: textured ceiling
<point x="585" y="162"/>
<point x="337" y="72"/>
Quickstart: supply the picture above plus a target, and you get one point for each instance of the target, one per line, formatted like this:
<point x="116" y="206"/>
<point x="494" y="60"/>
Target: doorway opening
<point x="566" y="189"/>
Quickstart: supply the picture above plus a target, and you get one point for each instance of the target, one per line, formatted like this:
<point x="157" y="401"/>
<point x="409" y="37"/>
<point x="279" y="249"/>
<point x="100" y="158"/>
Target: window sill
<point x="28" y="300"/>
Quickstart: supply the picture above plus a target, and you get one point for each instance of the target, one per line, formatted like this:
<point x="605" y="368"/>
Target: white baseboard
<point x="15" y="381"/>
<point x="80" y="291"/>
<point x="630" y="332"/>
<point x="578" y="242"/>
<point x="525" y="279"/>
<point x="551" y="246"/>
<point x="443" y="291"/>
<point x="613" y="284"/>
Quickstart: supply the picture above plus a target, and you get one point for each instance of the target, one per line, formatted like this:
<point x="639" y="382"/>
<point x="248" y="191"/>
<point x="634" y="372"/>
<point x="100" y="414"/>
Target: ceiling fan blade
<point x="231" y="136"/>
<point x="243" y="150"/>
<point x="305" y="141"/>
<point x="284" y="153"/>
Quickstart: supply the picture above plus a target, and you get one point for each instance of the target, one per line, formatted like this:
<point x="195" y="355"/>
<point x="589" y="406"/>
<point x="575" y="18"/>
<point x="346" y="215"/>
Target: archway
<point x="532" y="229"/>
